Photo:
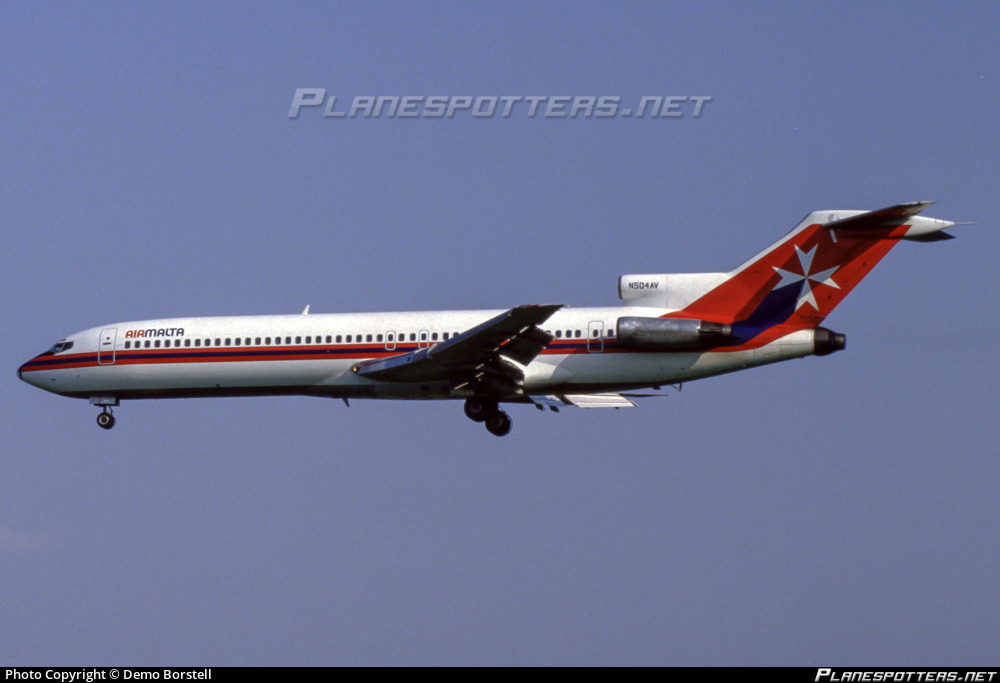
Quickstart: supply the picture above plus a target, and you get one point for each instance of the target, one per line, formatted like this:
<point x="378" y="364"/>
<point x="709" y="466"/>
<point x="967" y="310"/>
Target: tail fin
<point x="796" y="282"/>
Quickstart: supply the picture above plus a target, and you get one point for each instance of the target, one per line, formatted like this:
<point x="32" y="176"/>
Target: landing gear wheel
<point x="479" y="409"/>
<point x="499" y="423"/>
<point x="105" y="420"/>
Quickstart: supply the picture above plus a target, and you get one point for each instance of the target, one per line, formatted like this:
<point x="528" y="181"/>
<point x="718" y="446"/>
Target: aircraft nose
<point x="23" y="373"/>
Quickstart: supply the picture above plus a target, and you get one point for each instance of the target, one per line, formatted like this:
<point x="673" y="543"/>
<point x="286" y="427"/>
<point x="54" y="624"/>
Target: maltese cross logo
<point x="806" y="278"/>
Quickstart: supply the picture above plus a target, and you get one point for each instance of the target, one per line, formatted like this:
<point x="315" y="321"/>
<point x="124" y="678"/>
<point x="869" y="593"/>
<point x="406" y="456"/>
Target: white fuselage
<point x="315" y="354"/>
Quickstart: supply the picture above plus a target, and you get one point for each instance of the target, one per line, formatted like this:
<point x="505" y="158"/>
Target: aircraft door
<point x="390" y="340"/>
<point x="595" y="336"/>
<point x="106" y="346"/>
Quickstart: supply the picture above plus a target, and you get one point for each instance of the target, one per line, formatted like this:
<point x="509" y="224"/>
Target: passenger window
<point x="339" y="338"/>
<point x="146" y="344"/>
<point x="413" y="337"/>
<point x="559" y="333"/>
<point x="578" y="334"/>
<point x="423" y="336"/>
<point x="368" y="337"/>
<point x="128" y="344"/>
<point x="177" y="342"/>
<point x="256" y="341"/>
<point x="197" y="342"/>
<point x="187" y="342"/>
<point x="237" y="342"/>
<point x="309" y="339"/>
<point x="378" y="338"/>
<point x="445" y="336"/>
<point x="157" y="343"/>
<point x="434" y="336"/>
<point x="218" y="342"/>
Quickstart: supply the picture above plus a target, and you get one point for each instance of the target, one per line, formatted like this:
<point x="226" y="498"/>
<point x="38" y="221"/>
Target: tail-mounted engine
<point x="827" y="341"/>
<point x="676" y="334"/>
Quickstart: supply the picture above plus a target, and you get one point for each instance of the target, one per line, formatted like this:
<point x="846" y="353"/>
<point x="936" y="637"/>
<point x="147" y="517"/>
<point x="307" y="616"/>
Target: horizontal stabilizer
<point x="875" y="224"/>
<point x="890" y="217"/>
<point x="931" y="237"/>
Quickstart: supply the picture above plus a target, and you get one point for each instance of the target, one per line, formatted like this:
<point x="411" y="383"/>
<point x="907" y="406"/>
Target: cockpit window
<point x="59" y="348"/>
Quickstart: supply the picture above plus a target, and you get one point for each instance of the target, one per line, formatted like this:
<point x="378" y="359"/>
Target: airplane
<point x="671" y="328"/>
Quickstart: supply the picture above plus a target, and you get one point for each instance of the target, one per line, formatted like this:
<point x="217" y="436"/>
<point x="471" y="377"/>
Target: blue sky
<point x="829" y="510"/>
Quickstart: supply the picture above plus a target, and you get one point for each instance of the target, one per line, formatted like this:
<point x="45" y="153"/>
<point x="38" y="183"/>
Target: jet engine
<point x="676" y="334"/>
<point x="827" y="341"/>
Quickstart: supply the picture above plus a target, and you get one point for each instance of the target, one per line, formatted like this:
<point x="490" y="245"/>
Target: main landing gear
<point x="497" y="421"/>
<point x="105" y="419"/>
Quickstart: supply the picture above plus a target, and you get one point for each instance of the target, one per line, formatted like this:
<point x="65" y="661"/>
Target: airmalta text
<point x="156" y="332"/>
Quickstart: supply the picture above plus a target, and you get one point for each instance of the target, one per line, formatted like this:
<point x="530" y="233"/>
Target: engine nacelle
<point x="827" y="341"/>
<point x="676" y="334"/>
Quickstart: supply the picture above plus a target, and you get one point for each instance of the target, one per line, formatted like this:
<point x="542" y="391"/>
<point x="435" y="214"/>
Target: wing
<point x="486" y="358"/>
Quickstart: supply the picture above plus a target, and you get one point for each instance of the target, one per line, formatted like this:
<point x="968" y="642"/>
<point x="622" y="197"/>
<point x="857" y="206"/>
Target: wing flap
<point x="525" y="347"/>
<point x="587" y="400"/>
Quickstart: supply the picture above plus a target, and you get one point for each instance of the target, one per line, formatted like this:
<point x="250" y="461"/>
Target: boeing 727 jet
<point x="671" y="328"/>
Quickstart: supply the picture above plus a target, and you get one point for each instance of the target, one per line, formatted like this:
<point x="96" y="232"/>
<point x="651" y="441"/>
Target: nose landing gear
<point x="106" y="419"/>
<point x="497" y="421"/>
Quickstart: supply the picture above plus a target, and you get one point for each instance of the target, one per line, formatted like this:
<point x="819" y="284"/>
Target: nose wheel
<point x="106" y="420"/>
